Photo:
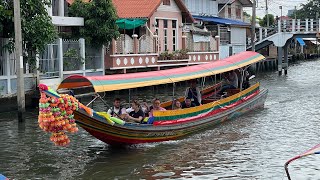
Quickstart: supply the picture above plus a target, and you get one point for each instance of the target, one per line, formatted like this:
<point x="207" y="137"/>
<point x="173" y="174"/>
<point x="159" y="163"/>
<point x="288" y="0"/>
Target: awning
<point x="151" y="78"/>
<point x="130" y="23"/>
<point x="219" y="20"/>
<point x="301" y="42"/>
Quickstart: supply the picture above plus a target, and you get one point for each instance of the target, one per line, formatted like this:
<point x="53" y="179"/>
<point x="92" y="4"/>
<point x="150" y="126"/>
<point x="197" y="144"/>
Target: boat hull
<point x="132" y="133"/>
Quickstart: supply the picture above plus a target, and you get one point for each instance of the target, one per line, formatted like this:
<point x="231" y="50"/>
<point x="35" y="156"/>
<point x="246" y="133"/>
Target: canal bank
<point x="254" y="146"/>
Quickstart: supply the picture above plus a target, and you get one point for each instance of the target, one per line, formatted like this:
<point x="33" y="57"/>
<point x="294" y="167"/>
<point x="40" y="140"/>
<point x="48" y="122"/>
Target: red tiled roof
<point x="136" y="8"/>
<point x="144" y="8"/>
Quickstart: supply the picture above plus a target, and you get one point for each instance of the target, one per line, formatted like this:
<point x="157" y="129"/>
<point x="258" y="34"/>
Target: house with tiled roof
<point x="155" y="35"/>
<point x="225" y="19"/>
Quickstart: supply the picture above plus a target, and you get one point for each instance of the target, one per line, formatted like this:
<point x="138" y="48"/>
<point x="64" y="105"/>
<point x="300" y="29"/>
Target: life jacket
<point x="113" y="113"/>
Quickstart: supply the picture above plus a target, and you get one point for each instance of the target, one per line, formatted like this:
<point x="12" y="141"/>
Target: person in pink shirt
<point x="155" y="107"/>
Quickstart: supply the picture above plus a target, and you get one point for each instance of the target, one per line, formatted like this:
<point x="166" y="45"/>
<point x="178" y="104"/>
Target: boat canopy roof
<point x="143" y="79"/>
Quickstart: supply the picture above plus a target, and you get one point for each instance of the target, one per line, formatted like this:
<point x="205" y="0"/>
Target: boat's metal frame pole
<point x="173" y="90"/>
<point x="129" y="96"/>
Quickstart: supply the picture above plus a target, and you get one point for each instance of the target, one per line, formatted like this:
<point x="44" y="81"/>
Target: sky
<point x="273" y="6"/>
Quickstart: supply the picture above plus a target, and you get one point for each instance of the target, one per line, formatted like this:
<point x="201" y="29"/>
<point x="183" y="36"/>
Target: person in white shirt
<point x="117" y="110"/>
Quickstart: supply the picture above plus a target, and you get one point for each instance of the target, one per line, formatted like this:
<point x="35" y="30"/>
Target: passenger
<point x="145" y="108"/>
<point x="117" y="110"/>
<point x="176" y="105"/>
<point x="137" y="114"/>
<point x="187" y="103"/>
<point x="193" y="92"/>
<point x="229" y="81"/>
<point x="156" y="107"/>
<point x="246" y="80"/>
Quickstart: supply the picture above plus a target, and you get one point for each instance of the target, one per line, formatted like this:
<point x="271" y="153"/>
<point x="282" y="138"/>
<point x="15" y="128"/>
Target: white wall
<point x="197" y="7"/>
<point x="172" y="8"/>
<point x="224" y="51"/>
<point x="238" y="35"/>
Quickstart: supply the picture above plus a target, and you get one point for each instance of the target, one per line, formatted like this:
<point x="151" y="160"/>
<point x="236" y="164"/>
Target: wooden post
<point x="253" y="26"/>
<point x="280" y="61"/>
<point x="286" y="63"/>
<point x="19" y="60"/>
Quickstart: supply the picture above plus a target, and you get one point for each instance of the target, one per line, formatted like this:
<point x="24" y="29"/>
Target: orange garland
<point x="56" y="116"/>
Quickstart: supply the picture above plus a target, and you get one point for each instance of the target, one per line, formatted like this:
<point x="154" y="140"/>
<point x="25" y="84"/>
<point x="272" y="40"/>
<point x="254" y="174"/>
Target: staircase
<point x="283" y="31"/>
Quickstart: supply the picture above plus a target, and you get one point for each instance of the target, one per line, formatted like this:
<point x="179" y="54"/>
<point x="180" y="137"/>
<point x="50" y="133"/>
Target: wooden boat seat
<point x="231" y="92"/>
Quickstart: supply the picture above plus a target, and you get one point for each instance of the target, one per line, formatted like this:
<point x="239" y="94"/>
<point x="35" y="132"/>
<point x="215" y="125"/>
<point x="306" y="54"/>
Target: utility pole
<point x="267" y="13"/>
<point x="253" y="26"/>
<point x="19" y="60"/>
<point x="295" y="13"/>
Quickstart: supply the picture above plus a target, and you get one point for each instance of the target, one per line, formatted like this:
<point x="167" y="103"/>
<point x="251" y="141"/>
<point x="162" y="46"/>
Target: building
<point x="157" y="34"/>
<point x="223" y="18"/>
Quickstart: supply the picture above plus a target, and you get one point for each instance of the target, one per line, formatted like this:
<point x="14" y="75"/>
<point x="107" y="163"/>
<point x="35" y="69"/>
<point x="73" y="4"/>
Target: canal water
<point x="254" y="146"/>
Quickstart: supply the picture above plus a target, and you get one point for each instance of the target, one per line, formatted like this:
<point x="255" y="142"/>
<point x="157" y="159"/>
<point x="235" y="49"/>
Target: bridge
<point x="281" y="36"/>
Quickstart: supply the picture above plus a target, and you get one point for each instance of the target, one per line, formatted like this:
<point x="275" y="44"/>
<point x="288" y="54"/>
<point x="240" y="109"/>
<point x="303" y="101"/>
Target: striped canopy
<point x="142" y="79"/>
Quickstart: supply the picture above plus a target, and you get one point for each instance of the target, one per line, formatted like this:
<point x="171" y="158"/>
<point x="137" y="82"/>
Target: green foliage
<point x="36" y="24"/>
<point x="308" y="10"/>
<point x="100" y="21"/>
<point x="264" y="20"/>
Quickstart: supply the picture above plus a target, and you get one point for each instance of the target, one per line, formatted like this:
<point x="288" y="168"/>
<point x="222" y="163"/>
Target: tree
<point x="264" y="20"/>
<point x="36" y="24"/>
<point x="99" y="21"/>
<point x="308" y="10"/>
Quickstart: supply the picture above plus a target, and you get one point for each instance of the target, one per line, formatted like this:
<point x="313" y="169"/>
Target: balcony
<point x="132" y="52"/>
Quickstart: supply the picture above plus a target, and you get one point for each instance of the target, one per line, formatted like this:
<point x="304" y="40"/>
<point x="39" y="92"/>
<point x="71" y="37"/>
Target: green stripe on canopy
<point x="130" y="23"/>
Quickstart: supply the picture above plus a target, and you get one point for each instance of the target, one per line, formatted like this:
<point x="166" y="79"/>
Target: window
<point x="174" y="35"/>
<point x="229" y="11"/>
<point x="174" y="23"/>
<point x="224" y="35"/>
<point x="238" y="12"/>
<point x="166" y="2"/>
<point x="165" y="38"/>
<point x="165" y="23"/>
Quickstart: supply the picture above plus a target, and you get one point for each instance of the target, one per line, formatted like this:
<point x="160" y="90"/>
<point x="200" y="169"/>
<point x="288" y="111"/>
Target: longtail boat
<point x="170" y="124"/>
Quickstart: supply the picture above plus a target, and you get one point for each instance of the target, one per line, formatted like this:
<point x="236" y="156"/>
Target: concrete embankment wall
<point x="10" y="103"/>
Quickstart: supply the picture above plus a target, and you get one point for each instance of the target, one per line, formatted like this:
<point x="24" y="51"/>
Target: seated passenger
<point x="145" y="107"/>
<point x="193" y="92"/>
<point x="156" y="107"/>
<point x="117" y="110"/>
<point x="176" y="105"/>
<point x="137" y="114"/>
<point x="229" y="81"/>
<point x="187" y="103"/>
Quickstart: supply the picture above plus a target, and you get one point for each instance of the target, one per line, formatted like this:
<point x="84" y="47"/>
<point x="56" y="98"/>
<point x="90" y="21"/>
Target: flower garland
<point x="56" y="116"/>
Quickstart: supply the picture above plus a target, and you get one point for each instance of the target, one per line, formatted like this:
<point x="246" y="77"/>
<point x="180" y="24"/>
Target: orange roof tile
<point x="144" y="8"/>
<point x="136" y="8"/>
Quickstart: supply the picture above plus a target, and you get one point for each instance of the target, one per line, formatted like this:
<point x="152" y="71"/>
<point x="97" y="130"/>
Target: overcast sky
<point x="273" y="6"/>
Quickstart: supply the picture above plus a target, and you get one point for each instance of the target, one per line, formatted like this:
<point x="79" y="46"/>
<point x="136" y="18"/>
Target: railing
<point x="49" y="62"/>
<point x="292" y="26"/>
<point x="127" y="45"/>
<point x="192" y="46"/>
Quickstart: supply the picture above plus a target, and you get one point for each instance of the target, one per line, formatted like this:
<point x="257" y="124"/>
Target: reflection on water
<point x="254" y="146"/>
